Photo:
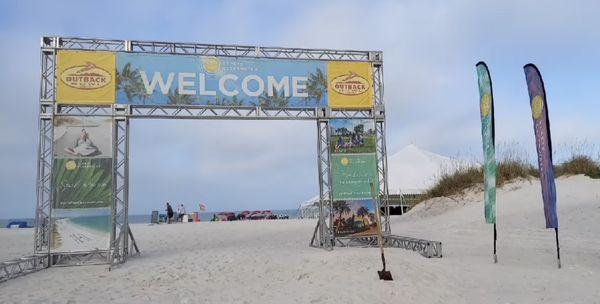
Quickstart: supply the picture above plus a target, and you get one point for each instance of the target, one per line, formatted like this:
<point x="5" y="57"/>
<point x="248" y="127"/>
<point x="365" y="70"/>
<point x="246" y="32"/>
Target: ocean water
<point x="143" y="218"/>
<point x="99" y="223"/>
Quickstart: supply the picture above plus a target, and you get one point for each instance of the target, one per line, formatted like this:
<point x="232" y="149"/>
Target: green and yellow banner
<point x="486" y="103"/>
<point x="352" y="175"/>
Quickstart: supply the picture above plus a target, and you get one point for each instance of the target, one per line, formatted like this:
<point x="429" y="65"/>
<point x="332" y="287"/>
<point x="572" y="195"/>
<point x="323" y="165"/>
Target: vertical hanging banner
<point x="353" y="167"/>
<point x="85" y="77"/>
<point x="351" y="175"/>
<point x="543" y="142"/>
<point x="82" y="194"/>
<point x="488" y="135"/>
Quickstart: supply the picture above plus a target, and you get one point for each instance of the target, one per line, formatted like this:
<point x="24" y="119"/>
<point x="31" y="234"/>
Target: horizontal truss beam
<point x="185" y="48"/>
<point x="94" y="257"/>
<point x="428" y="249"/>
<point x="214" y="112"/>
<point x="22" y="266"/>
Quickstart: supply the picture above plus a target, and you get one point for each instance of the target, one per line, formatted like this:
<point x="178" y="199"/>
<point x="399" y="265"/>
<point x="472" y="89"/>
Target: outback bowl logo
<point x="350" y="84"/>
<point x="86" y="77"/>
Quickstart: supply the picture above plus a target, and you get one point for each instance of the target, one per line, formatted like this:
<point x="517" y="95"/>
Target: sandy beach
<point x="271" y="262"/>
<point x="69" y="235"/>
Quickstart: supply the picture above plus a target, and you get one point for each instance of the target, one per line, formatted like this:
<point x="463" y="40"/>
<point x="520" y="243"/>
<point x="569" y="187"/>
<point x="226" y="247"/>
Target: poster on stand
<point x="352" y="175"/>
<point x="352" y="136"/>
<point x="82" y="137"/>
<point x="82" y="200"/>
<point x="353" y="218"/>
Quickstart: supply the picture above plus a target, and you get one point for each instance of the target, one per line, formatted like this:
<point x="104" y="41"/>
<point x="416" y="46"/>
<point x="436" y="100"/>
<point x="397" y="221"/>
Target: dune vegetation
<point x="514" y="164"/>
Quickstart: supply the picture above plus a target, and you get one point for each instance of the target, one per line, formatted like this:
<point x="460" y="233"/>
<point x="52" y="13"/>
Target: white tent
<point x="309" y="208"/>
<point x="410" y="171"/>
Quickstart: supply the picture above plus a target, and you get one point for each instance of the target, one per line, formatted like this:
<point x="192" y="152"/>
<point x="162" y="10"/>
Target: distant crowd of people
<point x="183" y="216"/>
<point x="356" y="140"/>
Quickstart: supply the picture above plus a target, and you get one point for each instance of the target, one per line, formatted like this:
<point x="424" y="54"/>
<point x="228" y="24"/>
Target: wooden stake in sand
<point x="383" y="274"/>
<point x="495" y="238"/>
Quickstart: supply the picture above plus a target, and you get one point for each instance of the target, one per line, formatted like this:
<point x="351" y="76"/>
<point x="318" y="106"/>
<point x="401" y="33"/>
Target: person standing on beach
<point x="180" y="212"/>
<point x="169" y="213"/>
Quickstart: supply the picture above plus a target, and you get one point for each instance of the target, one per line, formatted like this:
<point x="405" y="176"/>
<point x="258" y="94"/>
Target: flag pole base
<point x="495" y="239"/>
<point x="557" y="248"/>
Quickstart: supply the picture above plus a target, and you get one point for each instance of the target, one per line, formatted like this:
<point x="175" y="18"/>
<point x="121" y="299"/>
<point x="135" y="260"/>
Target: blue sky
<point x="430" y="50"/>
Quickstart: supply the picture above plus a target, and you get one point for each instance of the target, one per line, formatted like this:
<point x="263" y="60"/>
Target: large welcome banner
<point x="154" y="79"/>
<point x="543" y="142"/>
<point x="82" y="194"/>
<point x="353" y="167"/>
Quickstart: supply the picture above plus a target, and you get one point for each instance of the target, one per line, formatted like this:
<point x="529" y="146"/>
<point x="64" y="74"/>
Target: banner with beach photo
<point x="82" y="183"/>
<point x="82" y="200"/>
<point x="543" y="142"/>
<point x="354" y="218"/>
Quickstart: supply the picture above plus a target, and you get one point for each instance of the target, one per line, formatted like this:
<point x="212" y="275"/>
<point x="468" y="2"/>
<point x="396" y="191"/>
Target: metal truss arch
<point x="121" y="114"/>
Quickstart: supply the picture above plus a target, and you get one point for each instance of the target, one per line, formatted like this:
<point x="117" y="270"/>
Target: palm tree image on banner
<point x="220" y="81"/>
<point x="354" y="218"/>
